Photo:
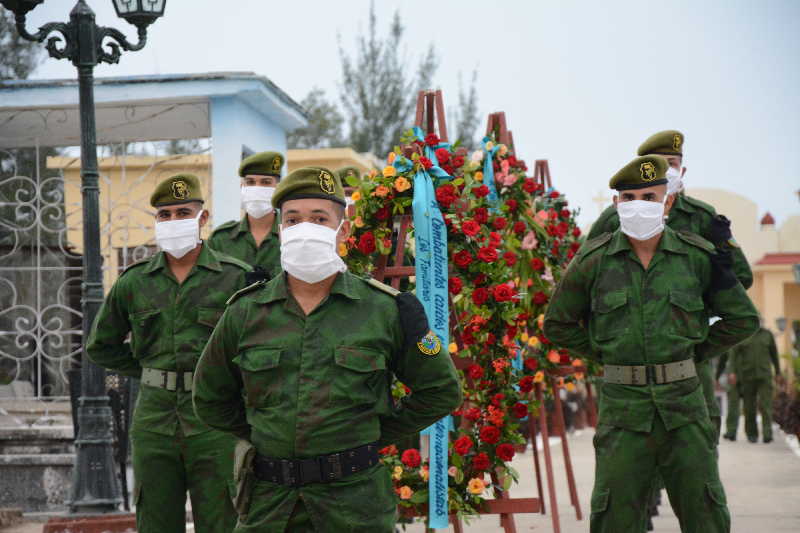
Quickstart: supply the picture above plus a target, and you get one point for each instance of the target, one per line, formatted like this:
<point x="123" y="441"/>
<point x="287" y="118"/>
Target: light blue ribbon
<point x="488" y="171"/>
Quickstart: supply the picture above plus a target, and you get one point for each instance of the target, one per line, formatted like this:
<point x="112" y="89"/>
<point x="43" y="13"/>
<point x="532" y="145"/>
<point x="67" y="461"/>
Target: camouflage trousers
<point x="757" y="395"/>
<point x="705" y="373"/>
<point x="165" y="467"/>
<point x="364" y="502"/>
<point x="732" y="417"/>
<point x="685" y="458"/>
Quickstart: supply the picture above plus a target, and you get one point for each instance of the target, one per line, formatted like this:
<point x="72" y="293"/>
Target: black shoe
<point x="752" y="438"/>
<point x="728" y="436"/>
<point x="650" y="524"/>
<point x="767" y="440"/>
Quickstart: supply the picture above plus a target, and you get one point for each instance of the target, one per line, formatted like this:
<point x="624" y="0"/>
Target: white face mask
<point x="308" y="251"/>
<point x="641" y="219"/>
<point x="178" y="237"/>
<point x="257" y="201"/>
<point x="674" y="180"/>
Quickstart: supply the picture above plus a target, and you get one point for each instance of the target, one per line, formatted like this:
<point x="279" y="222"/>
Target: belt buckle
<point x="164" y="379"/>
<point x="335" y="464"/>
<point x="288" y="471"/>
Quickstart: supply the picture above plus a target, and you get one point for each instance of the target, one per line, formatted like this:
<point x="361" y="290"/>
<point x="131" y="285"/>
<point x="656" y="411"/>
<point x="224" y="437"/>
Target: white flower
<point x="477" y="156"/>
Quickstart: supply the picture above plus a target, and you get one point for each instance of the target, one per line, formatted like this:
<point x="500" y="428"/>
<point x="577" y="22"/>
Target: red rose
<point x="458" y="161"/>
<point x="480" y="279"/>
<point x="511" y="331"/>
<point x="563" y="228"/>
<point x="520" y="410"/>
<point x="388" y="450"/>
<point x="505" y="452"/>
<point x="447" y="168"/>
<point x="552" y="214"/>
<point x="531" y="364"/>
<point x="495" y="239"/>
<point x="564" y="359"/>
<point x="455" y="285"/>
<point x="576" y="232"/>
<point x="510" y="258"/>
<point x="431" y="139"/>
<point x="382" y="213"/>
<point x="470" y="228"/>
<point x="446" y="195"/>
<point x="499" y="223"/>
<point x="387" y="243"/>
<point x="490" y="339"/>
<point x="475" y="371"/>
<point x="543" y="339"/>
<point x="481" y="215"/>
<point x="537" y="264"/>
<point x="540" y="298"/>
<point x="425" y="162"/>
<point x="480" y="462"/>
<point x="463" y="259"/>
<point x="366" y="243"/>
<point x="411" y="458"/>
<point x="487" y="254"/>
<point x="526" y="384"/>
<point x="529" y="186"/>
<point x="462" y="445"/>
<point x="498" y="398"/>
<point x="480" y="295"/>
<point x="512" y="205"/>
<point x="473" y="414"/>
<point x="442" y="155"/>
<point x="575" y="246"/>
<point x="519" y="227"/>
<point x="565" y="213"/>
<point x="489" y="435"/>
<point x="554" y="250"/>
<point x="554" y="194"/>
<point x="481" y="191"/>
<point x="503" y="293"/>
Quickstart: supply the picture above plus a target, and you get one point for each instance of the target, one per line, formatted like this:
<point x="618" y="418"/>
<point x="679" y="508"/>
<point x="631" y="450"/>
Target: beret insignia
<point x="326" y="182"/>
<point x="179" y="190"/>
<point x="648" y="171"/>
<point x="430" y="344"/>
<point x="276" y="164"/>
<point x="677" y="141"/>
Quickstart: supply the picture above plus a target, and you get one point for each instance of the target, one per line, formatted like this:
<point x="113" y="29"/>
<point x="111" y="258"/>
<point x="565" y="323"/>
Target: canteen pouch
<point x="243" y="476"/>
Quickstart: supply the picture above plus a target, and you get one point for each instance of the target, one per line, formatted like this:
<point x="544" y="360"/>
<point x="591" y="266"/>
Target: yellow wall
<point x="776" y="294"/>
<point x="330" y="158"/>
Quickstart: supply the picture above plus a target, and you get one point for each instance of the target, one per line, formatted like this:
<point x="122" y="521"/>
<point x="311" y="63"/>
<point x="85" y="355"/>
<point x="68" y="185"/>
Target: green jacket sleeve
<point x="217" y="387"/>
<point x="741" y="268"/>
<point x="565" y="321"/>
<point x="738" y="321"/>
<point x="435" y="387"/>
<point x="106" y="346"/>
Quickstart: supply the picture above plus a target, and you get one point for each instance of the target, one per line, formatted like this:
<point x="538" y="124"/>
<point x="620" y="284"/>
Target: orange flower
<point x="500" y="364"/>
<point x="342" y="249"/>
<point x="570" y="386"/>
<point x="406" y="492"/>
<point x="538" y="377"/>
<point x="424" y="473"/>
<point x="476" y="485"/>
<point x="356" y="196"/>
<point x="479" y="176"/>
<point x="402" y="184"/>
<point x="452" y="348"/>
<point x="391" y="157"/>
<point x="389" y="171"/>
<point x="381" y="191"/>
<point x="553" y="356"/>
<point x="577" y="362"/>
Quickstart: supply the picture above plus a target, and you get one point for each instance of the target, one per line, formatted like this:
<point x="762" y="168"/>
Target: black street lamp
<point x="95" y="488"/>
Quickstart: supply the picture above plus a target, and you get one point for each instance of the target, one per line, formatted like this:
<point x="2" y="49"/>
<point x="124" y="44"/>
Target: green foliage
<point x="325" y="122"/>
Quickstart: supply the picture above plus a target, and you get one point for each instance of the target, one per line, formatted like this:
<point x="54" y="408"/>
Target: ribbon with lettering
<point x="488" y="169"/>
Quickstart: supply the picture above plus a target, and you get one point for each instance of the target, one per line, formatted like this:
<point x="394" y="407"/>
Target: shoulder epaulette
<point x="593" y="244"/>
<point x="695" y="240"/>
<point x="233" y="261"/>
<point x="135" y="265"/>
<point x="241" y="292"/>
<point x="228" y="225"/>
<point x="391" y="291"/>
<point x="700" y="205"/>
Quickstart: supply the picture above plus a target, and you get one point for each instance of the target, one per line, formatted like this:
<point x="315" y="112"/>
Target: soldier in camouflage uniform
<point x="301" y="367"/>
<point x="639" y="307"/>
<point x="254" y="238"/>
<point x="751" y="375"/>
<point x="169" y="305"/>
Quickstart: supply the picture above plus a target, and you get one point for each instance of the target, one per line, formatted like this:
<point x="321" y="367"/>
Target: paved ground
<point x="762" y="482"/>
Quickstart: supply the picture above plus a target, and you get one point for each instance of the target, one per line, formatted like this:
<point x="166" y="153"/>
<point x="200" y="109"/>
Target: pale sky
<point x="582" y="83"/>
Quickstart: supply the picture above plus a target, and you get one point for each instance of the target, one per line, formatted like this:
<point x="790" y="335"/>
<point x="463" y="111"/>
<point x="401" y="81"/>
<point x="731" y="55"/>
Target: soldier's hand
<point x="732" y="379"/>
<point x="720" y="230"/>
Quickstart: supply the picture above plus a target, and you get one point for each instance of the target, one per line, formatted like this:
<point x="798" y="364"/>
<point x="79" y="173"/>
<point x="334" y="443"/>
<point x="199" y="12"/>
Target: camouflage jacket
<point x="169" y="325"/>
<point x="688" y="214"/>
<point x="302" y="386"/>
<point x="607" y="307"/>
<point x="234" y="239"/>
<point x="752" y="359"/>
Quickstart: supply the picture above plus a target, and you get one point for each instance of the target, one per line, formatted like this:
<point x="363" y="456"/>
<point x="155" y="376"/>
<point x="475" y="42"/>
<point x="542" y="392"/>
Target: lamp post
<point x="95" y="488"/>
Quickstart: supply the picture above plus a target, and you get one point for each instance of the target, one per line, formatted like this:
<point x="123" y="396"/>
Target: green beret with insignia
<point x="642" y="172"/>
<point x="669" y="142"/>
<point x="309" y="182"/>
<point x="178" y="189"/>
<point x="262" y="164"/>
<point x="345" y="172"/>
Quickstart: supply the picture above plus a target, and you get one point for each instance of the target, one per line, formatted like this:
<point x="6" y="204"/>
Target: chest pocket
<point x="144" y="332"/>
<point x="359" y="374"/>
<point x="259" y="367"/>
<point x="688" y="318"/>
<point x="209" y="316"/>
<point x="610" y="314"/>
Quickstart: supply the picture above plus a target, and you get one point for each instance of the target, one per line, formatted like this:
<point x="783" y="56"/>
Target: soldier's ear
<point x="203" y="218"/>
<point x="616" y="200"/>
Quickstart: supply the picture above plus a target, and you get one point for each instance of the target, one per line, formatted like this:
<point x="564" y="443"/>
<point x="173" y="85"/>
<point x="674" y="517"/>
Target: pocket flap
<point x="600" y="500"/>
<point x="360" y="359"/>
<point x="609" y="301"/>
<point x="257" y="359"/>
<point x="716" y="493"/>
<point x="687" y="302"/>
<point x="209" y="316"/>
<point x="140" y="318"/>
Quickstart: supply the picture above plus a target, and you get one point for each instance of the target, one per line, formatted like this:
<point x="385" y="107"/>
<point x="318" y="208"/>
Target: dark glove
<point x="412" y="318"/>
<point x="722" y="276"/>
<point x="258" y="274"/>
<point x="720" y="230"/>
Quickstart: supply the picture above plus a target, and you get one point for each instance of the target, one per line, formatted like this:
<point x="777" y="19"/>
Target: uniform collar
<point x="244" y="225"/>
<point x="681" y="204"/>
<point x="208" y="259"/>
<point x="619" y="243"/>
<point x="345" y="284"/>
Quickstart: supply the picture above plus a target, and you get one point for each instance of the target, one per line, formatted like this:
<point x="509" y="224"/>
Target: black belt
<point x="322" y="469"/>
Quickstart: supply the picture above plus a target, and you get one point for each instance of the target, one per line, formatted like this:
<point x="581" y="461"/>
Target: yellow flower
<point x="391" y="157"/>
<point x="380" y="191"/>
<point x="398" y="472"/>
<point x="533" y="342"/>
<point x="342" y="249"/>
<point x="479" y="176"/>
<point x="452" y="348"/>
<point x="540" y="321"/>
<point x="359" y="222"/>
<point x="489" y="145"/>
<point x="570" y="386"/>
<point x="356" y="196"/>
<point x="503" y="150"/>
<point x="389" y="171"/>
<point x="476" y="485"/>
<point x="538" y="377"/>
<point x="406" y="492"/>
<point x="401" y="184"/>
<point x="524" y="337"/>
<point x="424" y="473"/>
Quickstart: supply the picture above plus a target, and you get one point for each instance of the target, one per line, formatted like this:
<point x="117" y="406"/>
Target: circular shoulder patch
<point x="430" y="344"/>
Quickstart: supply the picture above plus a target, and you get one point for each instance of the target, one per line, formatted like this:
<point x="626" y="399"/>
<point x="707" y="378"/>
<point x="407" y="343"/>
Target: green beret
<point x="309" y="182"/>
<point x="669" y="142"/>
<point x="262" y="164"/>
<point x="642" y="172"/>
<point x="178" y="189"/>
<point x="344" y="172"/>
